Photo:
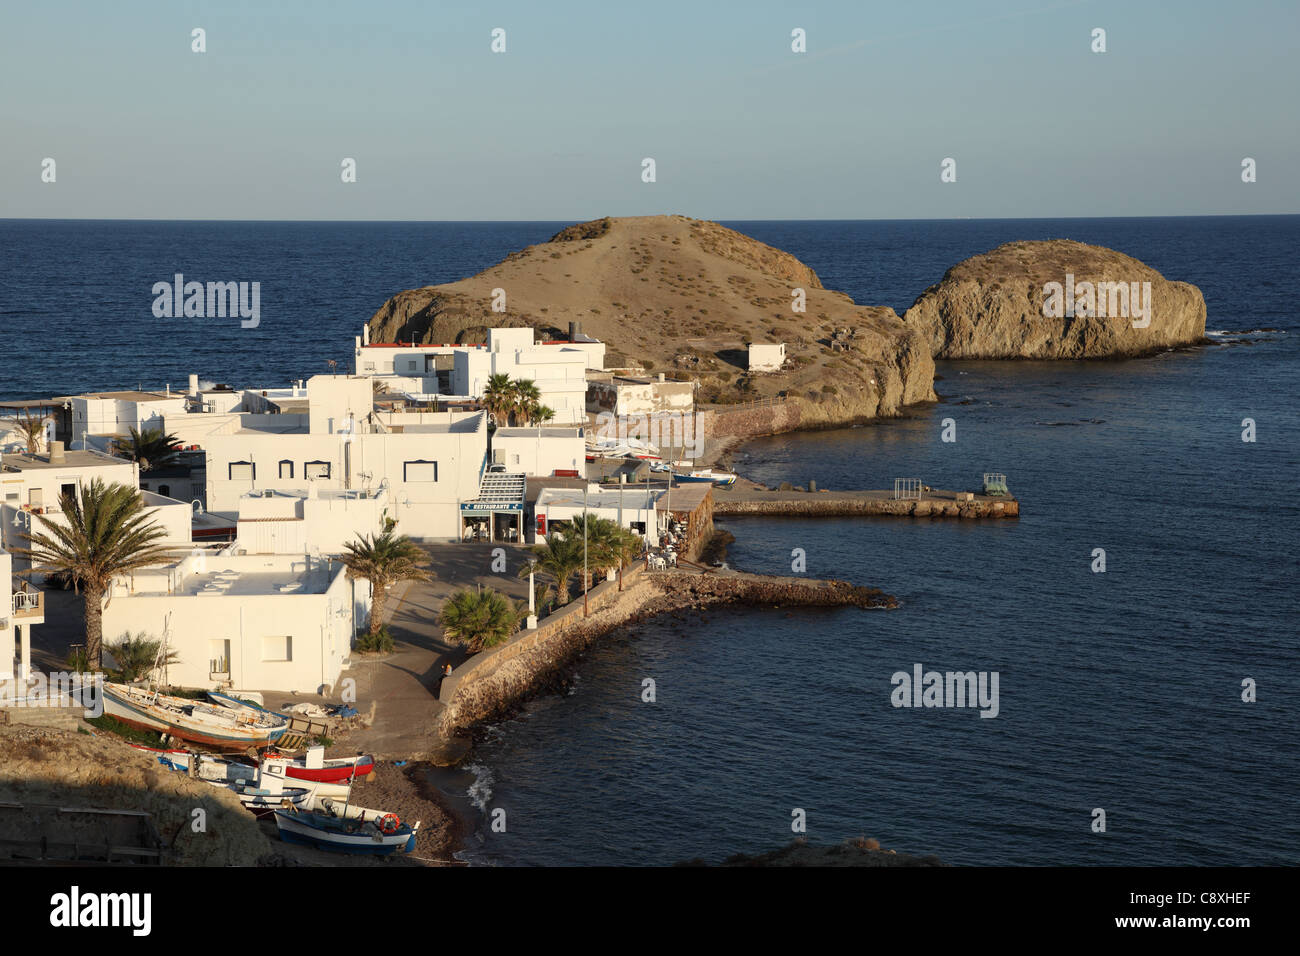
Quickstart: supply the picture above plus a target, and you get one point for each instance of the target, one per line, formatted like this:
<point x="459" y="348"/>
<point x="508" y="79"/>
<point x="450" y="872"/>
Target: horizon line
<point x="1270" y="215"/>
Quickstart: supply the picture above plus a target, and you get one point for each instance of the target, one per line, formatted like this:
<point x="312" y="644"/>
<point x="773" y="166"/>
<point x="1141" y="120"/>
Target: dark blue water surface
<point x="1119" y="691"/>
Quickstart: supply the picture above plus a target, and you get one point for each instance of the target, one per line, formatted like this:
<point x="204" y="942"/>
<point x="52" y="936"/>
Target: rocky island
<point x="1056" y="299"/>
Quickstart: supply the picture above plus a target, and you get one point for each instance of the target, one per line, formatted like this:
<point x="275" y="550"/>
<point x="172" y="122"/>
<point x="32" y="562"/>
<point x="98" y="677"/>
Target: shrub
<point x="379" y="642"/>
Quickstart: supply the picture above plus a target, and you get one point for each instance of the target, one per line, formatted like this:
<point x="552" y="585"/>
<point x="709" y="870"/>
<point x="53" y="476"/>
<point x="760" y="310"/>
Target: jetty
<point x="746" y="498"/>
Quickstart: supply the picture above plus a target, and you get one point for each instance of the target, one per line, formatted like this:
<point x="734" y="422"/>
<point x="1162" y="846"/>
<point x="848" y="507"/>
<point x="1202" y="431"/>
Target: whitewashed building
<point x="21" y="607"/>
<point x="766" y="357"/>
<point x="265" y="622"/>
<point x="540" y="450"/>
<point x="558" y="369"/>
<point x="429" y="463"/>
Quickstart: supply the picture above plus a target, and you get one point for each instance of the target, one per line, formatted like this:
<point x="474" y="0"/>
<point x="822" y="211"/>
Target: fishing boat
<point x="261" y="802"/>
<point x="221" y="728"/>
<point x="269" y="775"/>
<point x="209" y="768"/>
<point x="720" y="478"/>
<point x="314" y="766"/>
<point x="376" y="836"/>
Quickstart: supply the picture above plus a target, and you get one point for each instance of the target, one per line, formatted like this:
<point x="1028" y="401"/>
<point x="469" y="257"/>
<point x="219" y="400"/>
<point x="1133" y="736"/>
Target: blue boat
<point x="720" y="478"/>
<point x="375" y="837"/>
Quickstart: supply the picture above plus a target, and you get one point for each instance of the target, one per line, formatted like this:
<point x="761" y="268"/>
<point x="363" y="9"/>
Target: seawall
<point x="934" y="504"/>
<point x="490" y="683"/>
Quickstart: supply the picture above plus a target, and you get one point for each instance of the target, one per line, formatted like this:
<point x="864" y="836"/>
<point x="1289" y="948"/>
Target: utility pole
<point x="585" y="580"/>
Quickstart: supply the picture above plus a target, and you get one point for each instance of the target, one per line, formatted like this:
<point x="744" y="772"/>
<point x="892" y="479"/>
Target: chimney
<point x="56" y="456"/>
<point x="365" y="335"/>
<point x="662" y="378"/>
<point x="575" y="329"/>
<point x="194" y="385"/>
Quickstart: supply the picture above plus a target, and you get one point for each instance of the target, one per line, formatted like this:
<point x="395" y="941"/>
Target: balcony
<point x="29" y="607"/>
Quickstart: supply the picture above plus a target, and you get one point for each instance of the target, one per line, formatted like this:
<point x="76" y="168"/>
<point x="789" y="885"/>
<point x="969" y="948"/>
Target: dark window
<point x="165" y="490"/>
<point x="420" y="471"/>
<point x="316" y="469"/>
<point x="242" y="470"/>
<point x="286" y="468"/>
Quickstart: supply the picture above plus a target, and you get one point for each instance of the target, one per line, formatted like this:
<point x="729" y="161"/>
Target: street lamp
<point x="585" y="580"/>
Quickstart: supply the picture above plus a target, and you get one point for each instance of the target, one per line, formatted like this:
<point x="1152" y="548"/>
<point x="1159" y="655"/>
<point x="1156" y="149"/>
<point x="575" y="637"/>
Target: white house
<point x="558" y="369"/>
<point x="114" y="414"/>
<point x="429" y="463"/>
<point x="766" y="357"/>
<point x="21" y="607"/>
<point x="37" y="482"/>
<point x="258" y="622"/>
<point x="315" y="520"/>
<point x="540" y="450"/>
<point x="632" y="506"/>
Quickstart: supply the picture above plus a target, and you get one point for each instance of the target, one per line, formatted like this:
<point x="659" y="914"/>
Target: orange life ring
<point x="389" y="823"/>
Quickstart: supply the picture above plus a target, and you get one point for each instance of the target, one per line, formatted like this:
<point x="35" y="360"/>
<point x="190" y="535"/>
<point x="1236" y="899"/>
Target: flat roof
<point x="71" y="459"/>
<point x="632" y="497"/>
<point x="547" y="431"/>
<point x="132" y="395"/>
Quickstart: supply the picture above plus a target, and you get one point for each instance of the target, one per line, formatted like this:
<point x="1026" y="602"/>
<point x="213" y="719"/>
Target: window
<point x="286" y="468"/>
<point x="316" y="469"/>
<point x="242" y="471"/>
<point x="278" y="648"/>
<point x="165" y="490"/>
<point x="420" y="471"/>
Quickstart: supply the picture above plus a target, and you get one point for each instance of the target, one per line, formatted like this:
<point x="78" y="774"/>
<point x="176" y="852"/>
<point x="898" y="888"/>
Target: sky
<point x="140" y="126"/>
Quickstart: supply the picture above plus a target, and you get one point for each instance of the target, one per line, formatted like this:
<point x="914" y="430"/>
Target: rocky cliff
<point x="685" y="297"/>
<point x="1056" y="300"/>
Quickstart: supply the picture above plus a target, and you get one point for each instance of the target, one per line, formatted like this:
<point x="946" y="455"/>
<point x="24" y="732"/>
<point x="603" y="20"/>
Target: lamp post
<point x="586" y="611"/>
<point x="532" y="598"/>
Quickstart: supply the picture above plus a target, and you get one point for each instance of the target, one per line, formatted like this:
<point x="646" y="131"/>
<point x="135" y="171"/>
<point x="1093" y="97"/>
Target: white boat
<point x="221" y="728"/>
<point x="381" y="836"/>
<point x="271" y="775"/>
<point x="720" y="478"/>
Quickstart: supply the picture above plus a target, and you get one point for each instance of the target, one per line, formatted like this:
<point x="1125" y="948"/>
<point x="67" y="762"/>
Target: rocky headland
<point x="685" y="297"/>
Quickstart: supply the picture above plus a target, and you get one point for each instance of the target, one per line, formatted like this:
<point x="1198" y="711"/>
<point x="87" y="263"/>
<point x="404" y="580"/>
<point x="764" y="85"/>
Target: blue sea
<point x="1119" y="691"/>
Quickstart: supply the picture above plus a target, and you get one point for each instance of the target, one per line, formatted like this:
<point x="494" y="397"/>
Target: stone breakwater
<point x="490" y="684"/>
<point x="830" y="505"/>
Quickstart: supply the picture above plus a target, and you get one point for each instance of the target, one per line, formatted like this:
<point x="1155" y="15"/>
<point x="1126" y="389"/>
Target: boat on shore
<point x="270" y="775"/>
<point x="347" y="834"/>
<point x="221" y="728"/>
<point x="711" y="475"/>
<point x="314" y="767"/>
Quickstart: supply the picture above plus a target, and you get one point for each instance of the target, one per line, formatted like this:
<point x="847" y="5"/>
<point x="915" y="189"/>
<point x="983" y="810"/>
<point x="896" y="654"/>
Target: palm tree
<point x="498" y="398"/>
<point x="479" y="619"/>
<point x="559" y="558"/>
<point x="627" y="547"/>
<point x="601" y="533"/>
<point x="526" y="399"/>
<point x="150" y="447"/>
<point x="384" y="559"/>
<point x="32" y="428"/>
<point x="541" y="414"/>
<point x="137" y="656"/>
<point x="101" y="535"/>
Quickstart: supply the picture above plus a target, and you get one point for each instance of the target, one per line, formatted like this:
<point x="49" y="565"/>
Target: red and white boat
<point x="313" y="766"/>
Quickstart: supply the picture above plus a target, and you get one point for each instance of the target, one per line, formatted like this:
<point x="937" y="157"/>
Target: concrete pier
<point x="738" y="501"/>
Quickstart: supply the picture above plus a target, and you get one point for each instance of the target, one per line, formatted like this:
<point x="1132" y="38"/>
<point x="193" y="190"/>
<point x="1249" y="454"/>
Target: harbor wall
<point x="824" y="505"/>
<point x="489" y="683"/>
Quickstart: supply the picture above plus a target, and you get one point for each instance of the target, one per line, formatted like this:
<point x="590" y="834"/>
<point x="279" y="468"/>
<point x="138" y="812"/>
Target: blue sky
<point x="556" y="128"/>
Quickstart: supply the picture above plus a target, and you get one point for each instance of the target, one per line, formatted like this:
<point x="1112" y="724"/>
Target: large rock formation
<point x="1000" y="305"/>
<point x="685" y="296"/>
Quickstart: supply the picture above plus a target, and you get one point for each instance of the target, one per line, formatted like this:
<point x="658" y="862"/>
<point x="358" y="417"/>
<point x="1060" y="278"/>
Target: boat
<point x="263" y="802"/>
<point x="375" y="836"/>
<point x="269" y="775"/>
<point x="719" y="478"/>
<point x="221" y="728"/>
<point x="315" y="767"/>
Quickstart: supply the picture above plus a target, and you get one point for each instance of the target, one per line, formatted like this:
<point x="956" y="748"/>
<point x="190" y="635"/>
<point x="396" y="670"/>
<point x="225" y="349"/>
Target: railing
<point x="28" y="602"/>
<point x="755" y="403"/>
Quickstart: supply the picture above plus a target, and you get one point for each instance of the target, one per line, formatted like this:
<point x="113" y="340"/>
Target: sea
<point x="1147" y="712"/>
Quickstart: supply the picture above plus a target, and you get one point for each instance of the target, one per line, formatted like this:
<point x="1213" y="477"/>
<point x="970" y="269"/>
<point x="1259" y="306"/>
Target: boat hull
<point x="294" y="828"/>
<point x="142" y="716"/>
